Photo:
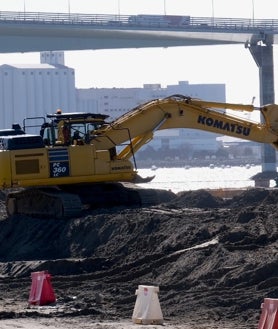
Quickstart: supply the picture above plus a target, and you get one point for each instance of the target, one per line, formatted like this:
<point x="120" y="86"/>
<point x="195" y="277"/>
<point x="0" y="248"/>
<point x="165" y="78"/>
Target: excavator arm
<point x="138" y="125"/>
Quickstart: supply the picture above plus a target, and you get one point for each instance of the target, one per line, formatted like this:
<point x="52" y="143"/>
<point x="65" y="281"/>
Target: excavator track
<point x="69" y="201"/>
<point x="149" y="196"/>
<point x="45" y="203"/>
<point x="105" y="195"/>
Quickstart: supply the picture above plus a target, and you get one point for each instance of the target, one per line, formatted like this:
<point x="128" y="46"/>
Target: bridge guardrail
<point x="139" y="21"/>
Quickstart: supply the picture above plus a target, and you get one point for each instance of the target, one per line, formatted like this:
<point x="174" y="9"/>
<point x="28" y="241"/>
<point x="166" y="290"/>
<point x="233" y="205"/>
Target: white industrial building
<point x="35" y="90"/>
<point x="117" y="101"/>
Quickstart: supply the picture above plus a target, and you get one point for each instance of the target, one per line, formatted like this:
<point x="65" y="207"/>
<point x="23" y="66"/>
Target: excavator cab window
<point x="49" y="134"/>
<point x="78" y="133"/>
<point x="83" y="133"/>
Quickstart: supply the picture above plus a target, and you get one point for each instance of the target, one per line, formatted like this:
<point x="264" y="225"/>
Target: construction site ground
<point x="214" y="262"/>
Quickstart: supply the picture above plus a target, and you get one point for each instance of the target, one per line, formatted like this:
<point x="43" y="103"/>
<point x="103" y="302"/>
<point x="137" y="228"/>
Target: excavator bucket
<point x="138" y="179"/>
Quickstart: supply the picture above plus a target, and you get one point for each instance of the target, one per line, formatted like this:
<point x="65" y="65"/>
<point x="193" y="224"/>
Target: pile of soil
<point x="214" y="260"/>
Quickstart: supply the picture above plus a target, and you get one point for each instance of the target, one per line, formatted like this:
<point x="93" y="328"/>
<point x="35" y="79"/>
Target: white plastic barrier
<point x="147" y="308"/>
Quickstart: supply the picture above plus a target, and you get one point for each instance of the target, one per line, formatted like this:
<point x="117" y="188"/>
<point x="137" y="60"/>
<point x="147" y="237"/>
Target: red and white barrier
<point x="269" y="315"/>
<point x="147" y="308"/>
<point x="41" y="292"/>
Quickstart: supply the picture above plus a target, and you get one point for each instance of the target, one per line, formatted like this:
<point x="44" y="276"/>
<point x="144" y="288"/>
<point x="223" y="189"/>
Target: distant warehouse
<point x="34" y="90"/>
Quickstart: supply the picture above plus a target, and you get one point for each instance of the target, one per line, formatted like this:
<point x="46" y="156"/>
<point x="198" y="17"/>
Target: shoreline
<point x="148" y="164"/>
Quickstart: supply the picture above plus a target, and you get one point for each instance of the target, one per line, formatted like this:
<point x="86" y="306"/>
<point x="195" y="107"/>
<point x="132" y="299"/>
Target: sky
<point x="232" y="65"/>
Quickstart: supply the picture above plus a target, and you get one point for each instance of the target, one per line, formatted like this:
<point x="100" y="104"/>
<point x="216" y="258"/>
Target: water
<point x="182" y="179"/>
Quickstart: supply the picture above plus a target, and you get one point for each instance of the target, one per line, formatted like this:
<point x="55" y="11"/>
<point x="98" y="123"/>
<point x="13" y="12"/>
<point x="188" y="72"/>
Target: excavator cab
<point x="71" y="128"/>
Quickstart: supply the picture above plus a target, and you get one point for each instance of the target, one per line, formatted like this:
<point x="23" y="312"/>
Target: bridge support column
<point x="263" y="56"/>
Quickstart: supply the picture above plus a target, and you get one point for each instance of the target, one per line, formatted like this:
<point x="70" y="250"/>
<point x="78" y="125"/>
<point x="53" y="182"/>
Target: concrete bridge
<point x="28" y="32"/>
<point x="34" y="32"/>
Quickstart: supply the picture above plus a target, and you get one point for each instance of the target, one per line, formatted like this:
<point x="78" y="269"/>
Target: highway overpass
<point x="32" y="32"/>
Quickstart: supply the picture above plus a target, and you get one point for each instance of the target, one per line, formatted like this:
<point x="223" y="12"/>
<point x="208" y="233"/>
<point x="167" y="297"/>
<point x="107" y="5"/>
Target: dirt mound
<point x="213" y="261"/>
<point x="195" y="199"/>
<point x="255" y="197"/>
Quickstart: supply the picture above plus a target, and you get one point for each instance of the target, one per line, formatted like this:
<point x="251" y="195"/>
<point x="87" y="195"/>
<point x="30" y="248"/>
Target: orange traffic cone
<point x="41" y="292"/>
<point x="269" y="315"/>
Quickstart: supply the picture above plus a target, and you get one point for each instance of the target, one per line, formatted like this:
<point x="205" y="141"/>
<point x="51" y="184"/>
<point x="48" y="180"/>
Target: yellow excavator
<point x="80" y="160"/>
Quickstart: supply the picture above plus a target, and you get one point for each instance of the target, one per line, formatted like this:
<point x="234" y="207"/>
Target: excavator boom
<point x="184" y="112"/>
